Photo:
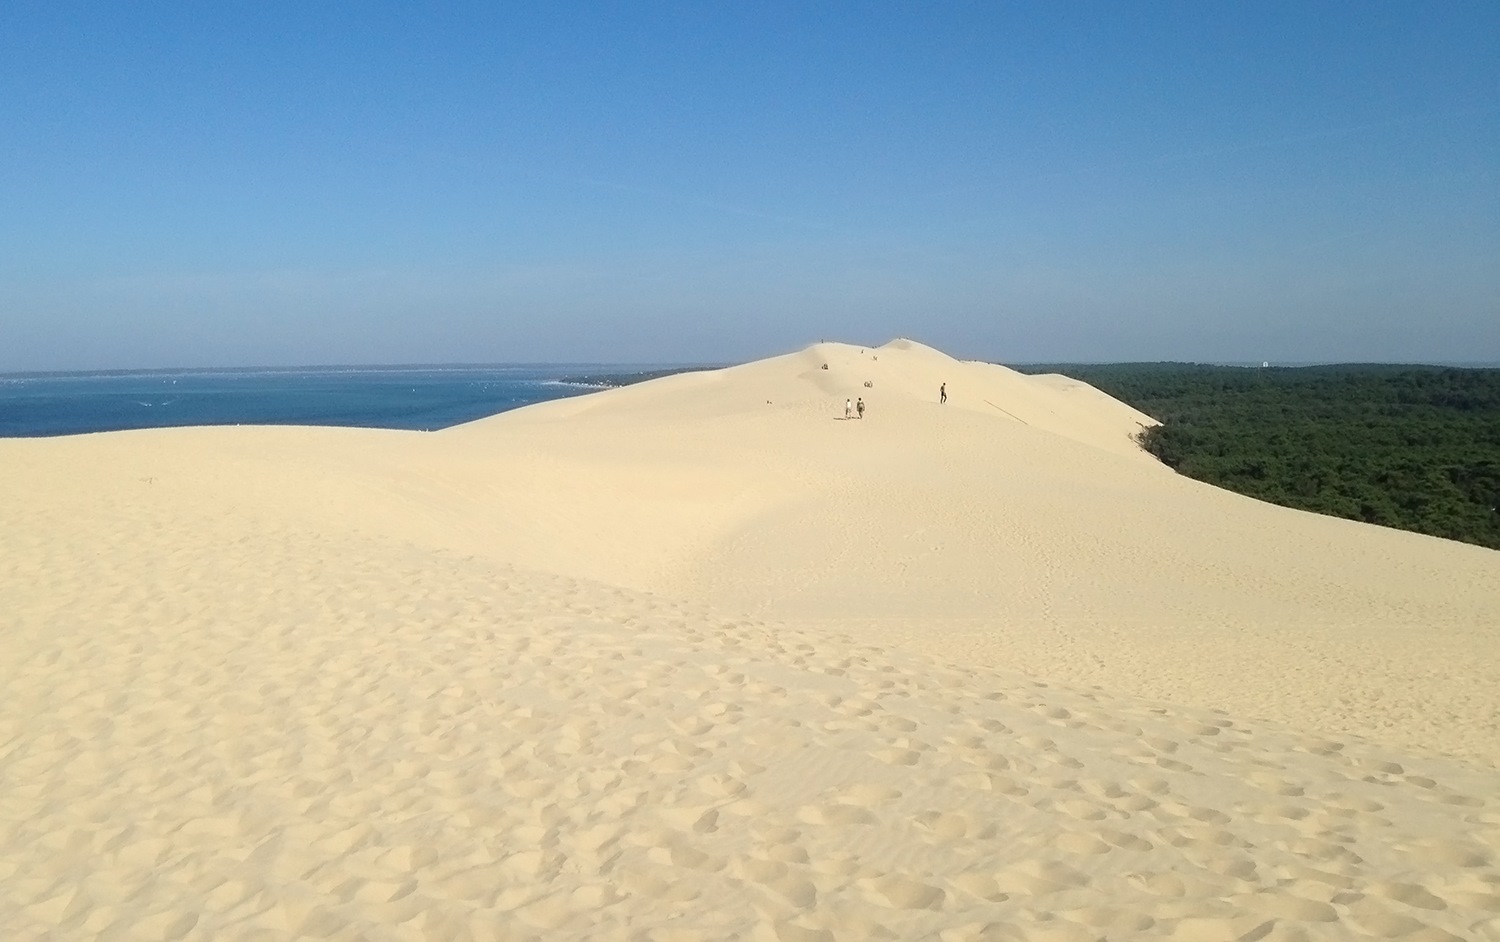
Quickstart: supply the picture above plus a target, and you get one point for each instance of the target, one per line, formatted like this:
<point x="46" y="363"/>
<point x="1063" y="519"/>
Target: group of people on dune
<point x="855" y="408"/>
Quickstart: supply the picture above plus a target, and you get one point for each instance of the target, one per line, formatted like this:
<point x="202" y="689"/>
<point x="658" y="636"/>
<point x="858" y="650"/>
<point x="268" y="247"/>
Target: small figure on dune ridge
<point x="942" y="393"/>
<point x="859" y="407"/>
<point x="848" y="408"/>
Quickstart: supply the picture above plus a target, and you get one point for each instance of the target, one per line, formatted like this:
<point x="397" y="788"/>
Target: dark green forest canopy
<point x="1413" y="447"/>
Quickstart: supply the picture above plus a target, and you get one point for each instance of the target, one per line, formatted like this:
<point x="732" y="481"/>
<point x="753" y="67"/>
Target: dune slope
<point x="1016" y="526"/>
<point x="701" y="659"/>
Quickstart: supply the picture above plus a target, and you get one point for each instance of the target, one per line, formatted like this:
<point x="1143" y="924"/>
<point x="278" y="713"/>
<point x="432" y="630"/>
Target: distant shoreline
<point x="608" y="369"/>
<point x="615" y="379"/>
<point x="410" y="397"/>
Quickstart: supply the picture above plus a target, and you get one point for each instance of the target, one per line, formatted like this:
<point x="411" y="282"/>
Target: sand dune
<point x="700" y="659"/>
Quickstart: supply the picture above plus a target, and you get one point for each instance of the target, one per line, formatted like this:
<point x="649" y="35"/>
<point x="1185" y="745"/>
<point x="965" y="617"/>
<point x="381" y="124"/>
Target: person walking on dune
<point x="848" y="408"/>
<point x="859" y="407"/>
<point x="942" y="393"/>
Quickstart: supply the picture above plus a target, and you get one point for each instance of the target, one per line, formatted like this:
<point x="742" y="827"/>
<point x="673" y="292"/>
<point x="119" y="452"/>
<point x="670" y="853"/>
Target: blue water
<point x="371" y="397"/>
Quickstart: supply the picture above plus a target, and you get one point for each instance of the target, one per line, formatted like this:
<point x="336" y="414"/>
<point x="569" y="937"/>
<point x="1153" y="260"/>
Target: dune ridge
<point x="700" y="659"/>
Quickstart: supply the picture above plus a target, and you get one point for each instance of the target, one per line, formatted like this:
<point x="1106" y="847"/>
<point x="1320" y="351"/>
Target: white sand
<point x="699" y="659"/>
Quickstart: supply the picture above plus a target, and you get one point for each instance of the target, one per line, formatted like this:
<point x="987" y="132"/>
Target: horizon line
<point x="704" y="364"/>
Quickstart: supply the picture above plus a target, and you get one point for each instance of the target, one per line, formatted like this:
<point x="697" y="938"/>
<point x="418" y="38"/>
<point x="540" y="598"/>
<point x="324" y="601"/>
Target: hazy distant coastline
<point x="611" y="379"/>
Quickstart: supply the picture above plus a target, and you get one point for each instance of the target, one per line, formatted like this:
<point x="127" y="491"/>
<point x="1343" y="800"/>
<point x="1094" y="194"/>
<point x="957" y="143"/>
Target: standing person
<point x="860" y="407"/>
<point x="942" y="393"/>
<point x="848" y="408"/>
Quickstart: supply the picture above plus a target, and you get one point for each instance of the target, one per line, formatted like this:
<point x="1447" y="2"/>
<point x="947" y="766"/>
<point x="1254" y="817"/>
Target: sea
<point x="408" y="397"/>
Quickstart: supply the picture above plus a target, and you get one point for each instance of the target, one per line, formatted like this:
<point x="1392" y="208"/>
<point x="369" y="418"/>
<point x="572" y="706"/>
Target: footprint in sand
<point x="1039" y="878"/>
<point x="677" y="853"/>
<point x="866" y="795"/>
<point x="1080" y="844"/>
<point x="982" y="885"/>
<point x="897" y="756"/>
<point x="1409" y="893"/>
<point x="1448" y="853"/>
<point x="836" y="815"/>
<point x="944" y="827"/>
<point x="1124" y="841"/>
<point x="902" y="892"/>
<point x="1383" y="924"/>
<point x="780" y="877"/>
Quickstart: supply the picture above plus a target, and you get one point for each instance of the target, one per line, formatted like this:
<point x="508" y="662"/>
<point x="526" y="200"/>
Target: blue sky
<point x="261" y="183"/>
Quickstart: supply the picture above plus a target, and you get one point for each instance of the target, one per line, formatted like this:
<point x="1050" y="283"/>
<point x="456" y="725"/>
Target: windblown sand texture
<point x="699" y="659"/>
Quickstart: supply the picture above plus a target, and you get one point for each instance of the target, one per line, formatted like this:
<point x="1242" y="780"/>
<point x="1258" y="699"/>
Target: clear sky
<point x="262" y="183"/>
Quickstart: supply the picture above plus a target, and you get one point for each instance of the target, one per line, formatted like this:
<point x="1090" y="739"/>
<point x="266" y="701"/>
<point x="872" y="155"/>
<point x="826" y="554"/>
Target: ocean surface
<point x="42" y="404"/>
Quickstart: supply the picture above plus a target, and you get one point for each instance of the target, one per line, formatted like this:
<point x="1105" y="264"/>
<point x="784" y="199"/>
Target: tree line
<point x="1412" y="447"/>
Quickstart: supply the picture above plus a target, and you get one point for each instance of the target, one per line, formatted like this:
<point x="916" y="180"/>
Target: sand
<point x="700" y="659"/>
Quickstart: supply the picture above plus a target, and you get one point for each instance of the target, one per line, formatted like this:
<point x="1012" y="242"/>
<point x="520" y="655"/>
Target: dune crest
<point x="1017" y="525"/>
<point x="699" y="658"/>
